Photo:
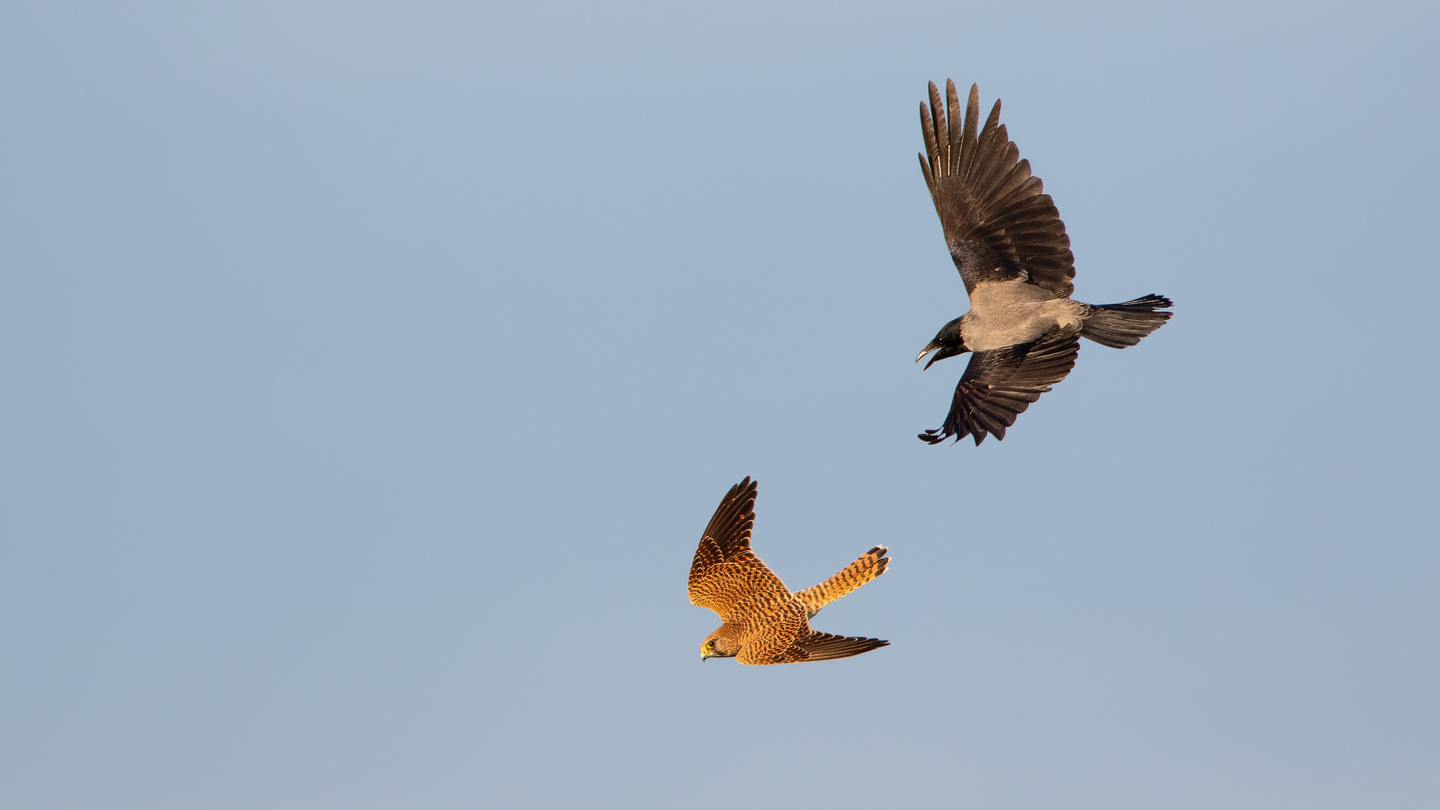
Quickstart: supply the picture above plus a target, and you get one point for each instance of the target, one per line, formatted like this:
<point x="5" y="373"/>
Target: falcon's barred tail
<point x="870" y="565"/>
<point x="1121" y="325"/>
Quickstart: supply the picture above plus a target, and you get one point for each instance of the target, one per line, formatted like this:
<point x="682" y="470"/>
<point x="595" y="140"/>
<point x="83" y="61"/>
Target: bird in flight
<point x="762" y="621"/>
<point x="1010" y="247"/>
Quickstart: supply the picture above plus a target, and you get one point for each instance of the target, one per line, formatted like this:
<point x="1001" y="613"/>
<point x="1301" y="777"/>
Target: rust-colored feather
<point x="765" y="621"/>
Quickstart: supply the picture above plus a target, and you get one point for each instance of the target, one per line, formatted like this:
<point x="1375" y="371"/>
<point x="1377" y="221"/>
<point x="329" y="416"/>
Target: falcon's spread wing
<point x="1000" y="384"/>
<point x="998" y="224"/>
<point x="725" y="570"/>
<point x="825" y="646"/>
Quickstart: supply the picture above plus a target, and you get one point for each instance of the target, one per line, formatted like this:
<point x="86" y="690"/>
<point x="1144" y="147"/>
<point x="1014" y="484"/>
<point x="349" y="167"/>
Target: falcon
<point x="762" y="621"/>
<point x="1010" y="247"/>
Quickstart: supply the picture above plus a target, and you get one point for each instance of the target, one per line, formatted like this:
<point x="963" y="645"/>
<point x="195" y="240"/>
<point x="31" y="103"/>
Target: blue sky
<point x="371" y="371"/>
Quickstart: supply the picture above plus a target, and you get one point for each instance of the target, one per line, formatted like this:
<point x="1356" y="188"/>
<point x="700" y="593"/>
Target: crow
<point x="1010" y="247"/>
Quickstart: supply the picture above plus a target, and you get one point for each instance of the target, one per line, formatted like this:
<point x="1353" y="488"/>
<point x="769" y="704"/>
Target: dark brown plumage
<point x="998" y="223"/>
<point x="999" y="385"/>
<point x="1006" y="238"/>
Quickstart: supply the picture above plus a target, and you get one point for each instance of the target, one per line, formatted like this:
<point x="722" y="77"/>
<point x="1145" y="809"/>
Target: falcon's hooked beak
<point x="705" y="656"/>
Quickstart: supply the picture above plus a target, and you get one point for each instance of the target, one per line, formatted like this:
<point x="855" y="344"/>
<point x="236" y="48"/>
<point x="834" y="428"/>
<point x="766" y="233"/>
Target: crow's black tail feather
<point x="1124" y="324"/>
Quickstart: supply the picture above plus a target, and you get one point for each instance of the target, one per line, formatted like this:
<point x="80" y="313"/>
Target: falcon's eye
<point x="712" y="643"/>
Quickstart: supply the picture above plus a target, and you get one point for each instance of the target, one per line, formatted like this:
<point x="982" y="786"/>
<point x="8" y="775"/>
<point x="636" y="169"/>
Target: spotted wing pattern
<point x="999" y="225"/>
<point x="768" y="636"/>
<point x="1000" y="384"/>
<point x="725" y="572"/>
<point x="772" y="623"/>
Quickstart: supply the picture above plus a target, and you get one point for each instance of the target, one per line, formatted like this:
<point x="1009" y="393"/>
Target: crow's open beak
<point x="929" y="347"/>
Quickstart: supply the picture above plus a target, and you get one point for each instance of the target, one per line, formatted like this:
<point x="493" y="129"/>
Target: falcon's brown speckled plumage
<point x="762" y="621"/>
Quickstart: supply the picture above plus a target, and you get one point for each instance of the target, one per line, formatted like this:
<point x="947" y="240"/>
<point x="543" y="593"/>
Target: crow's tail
<point x="1121" y="325"/>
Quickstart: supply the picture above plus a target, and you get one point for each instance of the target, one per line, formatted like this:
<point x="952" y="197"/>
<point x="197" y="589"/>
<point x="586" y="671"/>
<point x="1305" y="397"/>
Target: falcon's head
<point x="948" y="340"/>
<point x="718" y="646"/>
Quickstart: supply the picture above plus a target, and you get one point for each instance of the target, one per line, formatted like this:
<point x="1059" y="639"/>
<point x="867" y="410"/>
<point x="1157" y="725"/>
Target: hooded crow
<point x="1010" y="247"/>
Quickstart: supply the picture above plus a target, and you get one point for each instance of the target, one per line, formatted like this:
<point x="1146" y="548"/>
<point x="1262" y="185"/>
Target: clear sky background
<point x="369" y="371"/>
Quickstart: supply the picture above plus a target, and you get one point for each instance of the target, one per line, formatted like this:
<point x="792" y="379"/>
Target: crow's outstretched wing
<point x="998" y="224"/>
<point x="1000" y="384"/>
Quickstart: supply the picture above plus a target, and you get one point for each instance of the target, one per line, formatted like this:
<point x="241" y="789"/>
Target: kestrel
<point x="1008" y="242"/>
<point x="763" y="622"/>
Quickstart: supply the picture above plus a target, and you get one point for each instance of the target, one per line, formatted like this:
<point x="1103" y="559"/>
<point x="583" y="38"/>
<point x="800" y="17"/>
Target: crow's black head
<point x="948" y="341"/>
